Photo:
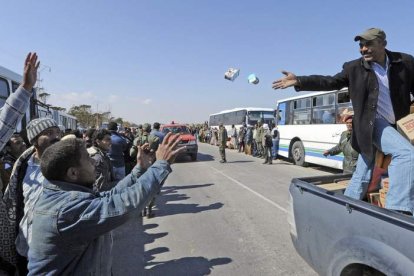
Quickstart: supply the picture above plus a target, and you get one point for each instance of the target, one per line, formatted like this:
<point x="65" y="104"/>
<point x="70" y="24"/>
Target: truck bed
<point x="338" y="235"/>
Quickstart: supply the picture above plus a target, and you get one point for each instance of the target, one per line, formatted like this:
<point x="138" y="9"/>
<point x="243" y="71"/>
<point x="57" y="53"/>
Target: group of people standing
<point x="63" y="198"/>
<point x="260" y="141"/>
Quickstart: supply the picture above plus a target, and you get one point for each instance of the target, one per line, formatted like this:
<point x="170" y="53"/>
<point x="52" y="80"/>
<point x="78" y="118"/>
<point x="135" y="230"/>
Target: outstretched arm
<point x="289" y="80"/>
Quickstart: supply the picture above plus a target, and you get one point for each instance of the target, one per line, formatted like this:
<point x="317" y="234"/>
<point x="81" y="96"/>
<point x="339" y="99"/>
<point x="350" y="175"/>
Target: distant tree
<point x="58" y="108"/>
<point x="84" y="115"/>
<point x="119" y="121"/>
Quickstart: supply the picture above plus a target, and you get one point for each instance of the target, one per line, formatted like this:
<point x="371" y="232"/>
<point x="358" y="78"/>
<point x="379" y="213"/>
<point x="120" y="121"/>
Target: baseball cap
<point x="371" y="34"/>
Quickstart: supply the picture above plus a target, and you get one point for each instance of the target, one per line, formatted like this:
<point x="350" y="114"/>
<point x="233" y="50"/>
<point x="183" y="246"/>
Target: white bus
<point x="310" y="124"/>
<point x="10" y="81"/>
<point x="238" y="116"/>
<point x="64" y="120"/>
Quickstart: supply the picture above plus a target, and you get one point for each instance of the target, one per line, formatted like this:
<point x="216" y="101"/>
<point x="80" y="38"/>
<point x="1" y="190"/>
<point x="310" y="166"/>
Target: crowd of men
<point x="260" y="140"/>
<point x="62" y="196"/>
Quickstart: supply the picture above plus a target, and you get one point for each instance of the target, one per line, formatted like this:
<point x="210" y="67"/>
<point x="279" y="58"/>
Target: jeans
<point x="401" y="170"/>
<point x="275" y="148"/>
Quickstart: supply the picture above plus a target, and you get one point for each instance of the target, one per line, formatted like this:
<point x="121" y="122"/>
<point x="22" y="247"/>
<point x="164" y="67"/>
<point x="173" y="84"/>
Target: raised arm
<point x="101" y="214"/>
<point x="17" y="103"/>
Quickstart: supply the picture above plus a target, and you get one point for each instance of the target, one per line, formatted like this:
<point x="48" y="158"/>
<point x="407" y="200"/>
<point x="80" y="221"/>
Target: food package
<point x="385" y="184"/>
<point x="231" y="74"/>
<point x="374" y="199"/>
<point x="253" y="79"/>
<point x="406" y="127"/>
<point x="383" y="196"/>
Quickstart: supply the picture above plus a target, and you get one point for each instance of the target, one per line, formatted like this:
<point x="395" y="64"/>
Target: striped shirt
<point x="384" y="104"/>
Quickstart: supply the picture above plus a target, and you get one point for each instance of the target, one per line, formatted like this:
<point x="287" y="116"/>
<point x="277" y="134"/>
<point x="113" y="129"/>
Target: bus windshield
<point x="254" y="116"/>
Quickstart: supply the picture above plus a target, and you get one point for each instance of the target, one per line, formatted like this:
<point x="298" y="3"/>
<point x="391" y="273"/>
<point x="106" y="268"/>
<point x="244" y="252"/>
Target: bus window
<point x="15" y="85"/>
<point x="344" y="97"/>
<point x="302" y="103"/>
<point x="4" y="89"/>
<point x="323" y="111"/>
<point x="254" y="116"/>
<point x="302" y="111"/>
<point x="301" y="117"/>
<point x="323" y="100"/>
<point x="241" y="117"/>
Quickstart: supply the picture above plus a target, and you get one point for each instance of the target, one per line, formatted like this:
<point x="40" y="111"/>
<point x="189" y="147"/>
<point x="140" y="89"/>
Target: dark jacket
<point x="13" y="201"/>
<point x="116" y="153"/>
<point x="103" y="170"/>
<point x="222" y="137"/>
<point x="350" y="155"/>
<point x="362" y="83"/>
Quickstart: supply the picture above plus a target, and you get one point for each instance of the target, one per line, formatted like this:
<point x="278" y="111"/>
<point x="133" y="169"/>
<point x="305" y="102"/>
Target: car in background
<point x="187" y="139"/>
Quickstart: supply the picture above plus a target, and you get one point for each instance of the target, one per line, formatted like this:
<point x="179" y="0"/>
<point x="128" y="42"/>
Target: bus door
<point x="281" y="114"/>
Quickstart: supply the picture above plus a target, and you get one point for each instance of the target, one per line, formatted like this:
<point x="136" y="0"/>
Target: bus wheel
<point x="298" y="153"/>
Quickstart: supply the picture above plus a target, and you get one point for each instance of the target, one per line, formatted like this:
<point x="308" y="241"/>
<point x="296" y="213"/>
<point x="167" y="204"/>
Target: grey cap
<point x="36" y="126"/>
<point x="371" y="34"/>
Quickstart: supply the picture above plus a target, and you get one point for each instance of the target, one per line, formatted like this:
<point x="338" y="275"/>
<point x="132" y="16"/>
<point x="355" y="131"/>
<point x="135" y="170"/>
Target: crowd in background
<point x="251" y="140"/>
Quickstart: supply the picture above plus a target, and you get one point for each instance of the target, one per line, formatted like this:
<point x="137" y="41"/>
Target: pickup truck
<point x="338" y="235"/>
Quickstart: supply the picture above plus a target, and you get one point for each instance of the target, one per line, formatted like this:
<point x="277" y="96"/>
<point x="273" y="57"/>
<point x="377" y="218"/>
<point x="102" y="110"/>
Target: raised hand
<point x="30" y="71"/>
<point x="168" y="150"/>
<point x="145" y="157"/>
<point x="285" y="82"/>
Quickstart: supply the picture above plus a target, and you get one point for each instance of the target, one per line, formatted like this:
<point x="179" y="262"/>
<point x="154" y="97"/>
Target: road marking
<point x="250" y="190"/>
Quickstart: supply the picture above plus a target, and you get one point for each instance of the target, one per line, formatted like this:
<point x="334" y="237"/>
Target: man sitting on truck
<point x="380" y="84"/>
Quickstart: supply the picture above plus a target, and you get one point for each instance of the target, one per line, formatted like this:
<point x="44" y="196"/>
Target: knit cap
<point x="36" y="126"/>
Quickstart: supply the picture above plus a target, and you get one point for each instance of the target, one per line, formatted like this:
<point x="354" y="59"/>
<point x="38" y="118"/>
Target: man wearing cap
<point x="350" y="155"/>
<point x="25" y="182"/>
<point x="222" y="140"/>
<point x="380" y="84"/>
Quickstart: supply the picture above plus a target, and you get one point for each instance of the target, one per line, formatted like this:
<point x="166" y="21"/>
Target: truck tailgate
<point x="333" y="232"/>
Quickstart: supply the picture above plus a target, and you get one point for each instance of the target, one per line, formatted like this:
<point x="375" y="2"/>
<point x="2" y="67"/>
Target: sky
<point x="154" y="60"/>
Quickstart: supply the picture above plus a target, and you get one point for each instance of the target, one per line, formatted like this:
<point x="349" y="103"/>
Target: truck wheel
<point x="298" y="154"/>
<point x="194" y="157"/>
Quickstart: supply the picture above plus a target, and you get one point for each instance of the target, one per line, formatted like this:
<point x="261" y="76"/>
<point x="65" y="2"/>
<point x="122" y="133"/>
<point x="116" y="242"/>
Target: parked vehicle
<point x="338" y="235"/>
<point x="187" y="139"/>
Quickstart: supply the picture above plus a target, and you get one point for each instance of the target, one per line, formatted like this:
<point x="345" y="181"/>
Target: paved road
<point x="218" y="219"/>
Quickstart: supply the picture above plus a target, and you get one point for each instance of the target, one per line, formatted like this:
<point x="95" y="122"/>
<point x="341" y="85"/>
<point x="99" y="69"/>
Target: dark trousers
<point x="268" y="154"/>
<point x="241" y="146"/>
<point x="222" y="150"/>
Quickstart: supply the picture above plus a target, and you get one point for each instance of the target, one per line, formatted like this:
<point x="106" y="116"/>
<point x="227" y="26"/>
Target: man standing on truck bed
<point x="380" y="84"/>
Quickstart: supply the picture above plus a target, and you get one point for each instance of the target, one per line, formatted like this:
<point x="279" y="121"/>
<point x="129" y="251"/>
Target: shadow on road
<point x="240" y="161"/>
<point x="171" y="193"/>
<point x="186" y="266"/>
<point x="168" y="189"/>
<point x="201" y="157"/>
